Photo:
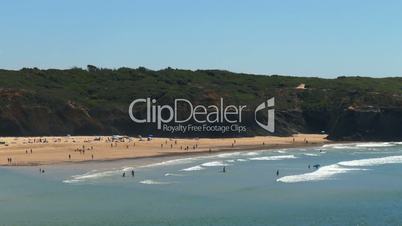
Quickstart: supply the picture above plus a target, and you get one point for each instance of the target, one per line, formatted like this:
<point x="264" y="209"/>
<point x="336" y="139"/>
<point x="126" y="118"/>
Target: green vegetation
<point x="117" y="88"/>
<point x="103" y="92"/>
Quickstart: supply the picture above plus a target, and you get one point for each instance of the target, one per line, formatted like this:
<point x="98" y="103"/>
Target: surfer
<point x="124" y="174"/>
<point x="224" y="169"/>
<point x="132" y="173"/>
<point x="277" y="172"/>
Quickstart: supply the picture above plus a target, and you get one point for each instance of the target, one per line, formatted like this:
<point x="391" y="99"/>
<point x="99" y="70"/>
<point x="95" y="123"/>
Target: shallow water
<point x="356" y="184"/>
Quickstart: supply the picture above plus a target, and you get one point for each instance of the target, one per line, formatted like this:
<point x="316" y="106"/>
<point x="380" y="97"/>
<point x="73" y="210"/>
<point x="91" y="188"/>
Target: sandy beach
<point x="23" y="151"/>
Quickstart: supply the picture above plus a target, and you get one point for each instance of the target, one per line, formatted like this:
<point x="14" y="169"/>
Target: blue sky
<point x="304" y="37"/>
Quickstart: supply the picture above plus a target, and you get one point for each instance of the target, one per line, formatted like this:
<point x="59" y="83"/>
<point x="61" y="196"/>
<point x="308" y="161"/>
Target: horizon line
<point x="195" y="70"/>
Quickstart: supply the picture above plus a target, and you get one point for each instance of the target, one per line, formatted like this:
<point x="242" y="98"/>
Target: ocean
<point x="354" y="184"/>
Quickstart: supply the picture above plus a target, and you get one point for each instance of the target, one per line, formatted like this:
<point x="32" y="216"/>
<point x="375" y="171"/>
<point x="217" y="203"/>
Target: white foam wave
<point x="194" y="159"/>
<point x="176" y="161"/>
<point x="253" y="153"/>
<point x="173" y="175"/>
<point x="93" y="175"/>
<point x="241" y="160"/>
<point x="273" y="158"/>
<point x="339" y="146"/>
<point x="322" y="173"/>
<point x="214" y="163"/>
<point x="125" y="169"/>
<point x="193" y="168"/>
<point x="326" y="172"/>
<point x="226" y="155"/>
<point x="361" y="145"/>
<point x="375" y="145"/>
<point x="153" y="182"/>
<point x="311" y="154"/>
<point x="373" y="161"/>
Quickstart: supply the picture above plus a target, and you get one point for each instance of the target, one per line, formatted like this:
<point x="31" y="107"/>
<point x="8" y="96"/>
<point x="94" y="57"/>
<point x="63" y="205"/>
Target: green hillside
<point x="103" y="96"/>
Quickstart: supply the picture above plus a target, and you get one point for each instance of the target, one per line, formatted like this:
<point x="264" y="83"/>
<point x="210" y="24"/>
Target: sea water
<point x="355" y="184"/>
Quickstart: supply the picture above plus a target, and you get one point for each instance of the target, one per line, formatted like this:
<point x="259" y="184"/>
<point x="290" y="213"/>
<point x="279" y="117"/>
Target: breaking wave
<point x="153" y="182"/>
<point x="327" y="172"/>
<point x="173" y="175"/>
<point x="273" y="158"/>
<point x="193" y="168"/>
<point x="373" y="161"/>
<point x="214" y="163"/>
<point x="361" y="145"/>
<point x="322" y="173"/>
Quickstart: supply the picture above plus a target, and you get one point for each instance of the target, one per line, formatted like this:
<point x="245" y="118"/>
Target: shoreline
<point x="56" y="150"/>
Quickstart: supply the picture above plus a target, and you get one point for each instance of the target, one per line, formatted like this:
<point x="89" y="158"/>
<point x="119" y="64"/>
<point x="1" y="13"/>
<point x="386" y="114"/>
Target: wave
<point x="173" y="175"/>
<point x="322" y="173"/>
<point x="376" y="145"/>
<point x="226" y="155"/>
<point x="253" y="153"/>
<point x="92" y="175"/>
<point x="193" y="159"/>
<point x="326" y="172"/>
<point x="273" y="158"/>
<point x="311" y="154"/>
<point x="373" y="161"/>
<point x="95" y="174"/>
<point x="241" y="160"/>
<point x="154" y="182"/>
<point x="193" y="168"/>
<point x="361" y="145"/>
<point x="339" y="146"/>
<point x="214" y="163"/>
<point x="177" y="161"/>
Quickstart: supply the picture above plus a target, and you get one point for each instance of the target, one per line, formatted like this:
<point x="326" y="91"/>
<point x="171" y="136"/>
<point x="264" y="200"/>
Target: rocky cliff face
<point x="383" y="124"/>
<point x="351" y="125"/>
